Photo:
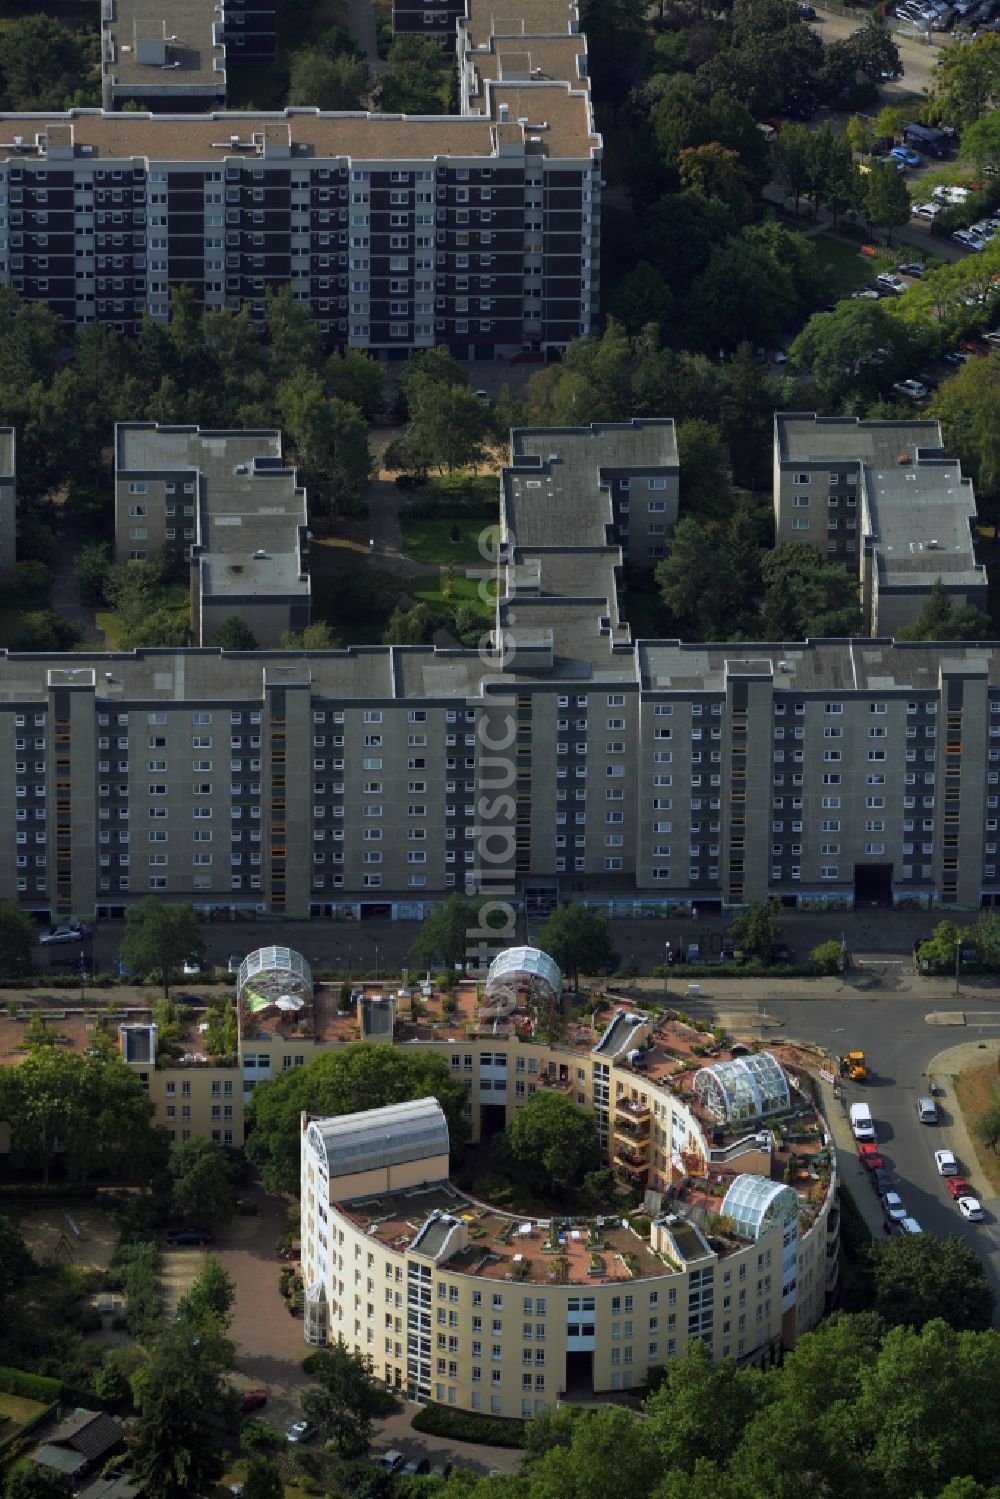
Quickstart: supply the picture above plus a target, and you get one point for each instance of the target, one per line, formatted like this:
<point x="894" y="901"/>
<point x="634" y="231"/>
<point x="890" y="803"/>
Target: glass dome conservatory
<point x="520" y="970"/>
<point x="754" y="1203"/>
<point x="274" y="977"/>
<point x="744" y="1089"/>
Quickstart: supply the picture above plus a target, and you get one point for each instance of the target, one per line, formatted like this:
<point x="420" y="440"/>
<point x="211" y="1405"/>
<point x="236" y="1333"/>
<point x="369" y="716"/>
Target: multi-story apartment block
<point x="883" y="499"/>
<point x="170" y="59"/>
<point x="8" y="499"/>
<point x="467" y="1305"/>
<point x="479" y="231"/>
<point x="608" y="485"/>
<point x="225" y="502"/>
<point x="641" y="775"/>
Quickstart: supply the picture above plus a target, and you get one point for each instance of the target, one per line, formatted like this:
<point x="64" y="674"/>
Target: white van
<point x="862" y="1123"/>
<point x="927" y="1111"/>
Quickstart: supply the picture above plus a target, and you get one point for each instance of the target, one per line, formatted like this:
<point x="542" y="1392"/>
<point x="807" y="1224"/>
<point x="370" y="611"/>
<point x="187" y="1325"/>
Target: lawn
<point x="431" y="541"/>
<point x="432" y="591"/>
<point x="976" y="1091"/>
<point x="17" y="1409"/>
<point x="845" y="267"/>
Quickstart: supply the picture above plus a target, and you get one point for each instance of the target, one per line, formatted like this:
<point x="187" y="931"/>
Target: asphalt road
<point x="900" y="1046"/>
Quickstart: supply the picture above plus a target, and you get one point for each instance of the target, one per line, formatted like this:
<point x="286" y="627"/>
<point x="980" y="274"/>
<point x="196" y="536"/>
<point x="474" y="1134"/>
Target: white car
<point x="74" y="933"/>
<point x="191" y="968"/>
<point x="926" y="210"/>
<point x="909" y="1226"/>
<point x="913" y="390"/>
<point x="892" y="1205"/>
<point x="946" y="1163"/>
<point x="893" y="282"/>
<point x="971" y="1208"/>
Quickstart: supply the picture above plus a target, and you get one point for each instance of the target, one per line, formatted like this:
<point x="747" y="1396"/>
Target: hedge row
<point x="467" y="1426"/>
<point x="30" y="1386"/>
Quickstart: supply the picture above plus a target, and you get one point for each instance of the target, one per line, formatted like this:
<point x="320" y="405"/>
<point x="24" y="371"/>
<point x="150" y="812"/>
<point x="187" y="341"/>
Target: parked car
<point x="390" y="1462"/>
<point x="183" y="1237"/>
<point x="300" y="1431"/>
<point x="958" y="1187"/>
<point x="910" y="1226"/>
<point x="926" y="210"/>
<point x="955" y="356"/>
<point x="191" y="968"/>
<point x="805" y="12"/>
<point x="892" y="1206"/>
<point x="971" y="1209"/>
<point x="233" y="962"/>
<point x="251" y="1400"/>
<point x="72" y="931"/>
<point x="881" y="1180"/>
<point x="906" y="156"/>
<point x="946" y="1163"/>
<point x="441" y="1470"/>
<point x="865" y="293"/>
<point x="416" y="1466"/>
<point x="913" y="268"/>
<point x="911" y="390"/>
<point x="782" y="953"/>
<point x="890" y="281"/>
<point x="870" y="1158"/>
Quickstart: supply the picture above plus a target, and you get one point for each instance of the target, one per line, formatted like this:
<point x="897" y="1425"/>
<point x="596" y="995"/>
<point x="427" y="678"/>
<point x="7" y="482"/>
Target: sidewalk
<point x="946" y="1065"/>
<point x="849" y="1168"/>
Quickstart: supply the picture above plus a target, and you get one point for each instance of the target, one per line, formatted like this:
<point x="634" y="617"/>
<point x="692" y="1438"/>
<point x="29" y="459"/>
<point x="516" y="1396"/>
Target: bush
<point x="467" y="1426"/>
<point x="139" y="1275"/>
<point x="827" y="956"/>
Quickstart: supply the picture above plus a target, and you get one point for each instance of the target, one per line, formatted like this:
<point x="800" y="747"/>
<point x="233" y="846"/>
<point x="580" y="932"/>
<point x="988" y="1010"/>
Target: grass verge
<point x="976" y="1091"/>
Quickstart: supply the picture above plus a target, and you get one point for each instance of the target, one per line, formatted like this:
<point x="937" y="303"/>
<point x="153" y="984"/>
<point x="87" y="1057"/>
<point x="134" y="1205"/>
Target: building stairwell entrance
<point x="872" y="885"/>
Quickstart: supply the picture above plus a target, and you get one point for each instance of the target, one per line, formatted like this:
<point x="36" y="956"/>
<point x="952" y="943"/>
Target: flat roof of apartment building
<point x="162" y="43"/>
<point x="486" y="18"/>
<point x="251" y="513"/>
<point x="804" y="437"/>
<point x="558" y="125"/>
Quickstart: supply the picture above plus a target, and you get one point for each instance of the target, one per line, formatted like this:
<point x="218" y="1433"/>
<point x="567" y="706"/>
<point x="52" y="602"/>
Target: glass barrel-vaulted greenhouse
<point x="745" y="1089"/>
<point x="274" y="978"/>
<point x="517" y="971"/>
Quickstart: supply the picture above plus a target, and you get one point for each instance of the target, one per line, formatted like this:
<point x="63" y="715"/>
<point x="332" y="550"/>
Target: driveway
<point x="269" y="1343"/>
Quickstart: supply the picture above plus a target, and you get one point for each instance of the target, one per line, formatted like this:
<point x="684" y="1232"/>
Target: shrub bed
<point x="467" y="1426"/>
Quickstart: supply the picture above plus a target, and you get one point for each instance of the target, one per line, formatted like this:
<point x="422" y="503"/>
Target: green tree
<point x="981" y="142"/>
<point x="448" y="424"/>
<point x="987" y="1127"/>
<point x="263" y="1479"/>
<point x="29" y="1480"/>
<point x="827" y="955"/>
<point x="641" y="297"/>
<point x="315" y="637"/>
<point x="407" y="626"/>
<point x="966" y="83"/>
<point x="201" y="1187"/>
<point x="937" y="954"/>
<point x="696" y="582"/>
<point x="875" y="52"/>
<point x="552" y="1132"/>
<point x="44" y="65"/>
<point x="234" y="634"/>
<point x="578" y="940"/>
<point x="160" y="937"/>
<point x="704" y="477"/>
<point x="806" y="596"/>
<point x="324" y="82"/>
<point x="858" y="134"/>
<point x="968" y="406"/>
<point x="919" y="1277"/>
<point x="794" y="152"/>
<point x="940" y="619"/>
<point x="886" y="199"/>
<point x="296" y="343"/>
<point x="356" y="377"/>
<point x="450" y="934"/>
<point x="835" y="348"/>
<point x="17" y="942"/>
<point x="209" y="1300"/>
<point x="414" y="81"/>
<point x="756" y="931"/>
<point x="181" y="1396"/>
<point x="16" y="1263"/>
<point x="345" y="1400"/>
<point x="361" y="1076"/>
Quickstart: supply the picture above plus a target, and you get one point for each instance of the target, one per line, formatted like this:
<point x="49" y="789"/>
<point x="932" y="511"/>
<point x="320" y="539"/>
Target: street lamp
<point x="376" y="962"/>
<point x="666" y="971"/>
<point x="958" y="955"/>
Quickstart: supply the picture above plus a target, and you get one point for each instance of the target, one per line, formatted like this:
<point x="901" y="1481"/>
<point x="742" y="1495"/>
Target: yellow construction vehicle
<point x="854" y="1066"/>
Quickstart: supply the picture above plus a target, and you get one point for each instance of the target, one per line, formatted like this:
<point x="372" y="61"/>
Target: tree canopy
<point x="918" y="1278"/>
<point x="160" y="937"/>
<point x="356" y="1077"/>
<point x="202" y="1191"/>
<point x="551" y="1135"/>
<point x="577" y="939"/>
